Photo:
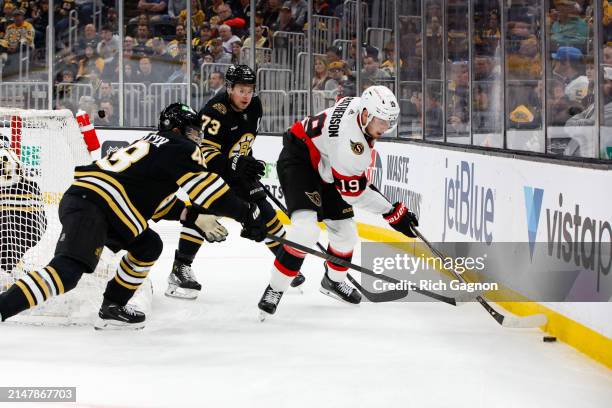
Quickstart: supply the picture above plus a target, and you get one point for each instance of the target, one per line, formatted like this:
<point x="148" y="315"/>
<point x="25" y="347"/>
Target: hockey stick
<point x="387" y="296"/>
<point x="365" y="271"/>
<point x="524" y="322"/>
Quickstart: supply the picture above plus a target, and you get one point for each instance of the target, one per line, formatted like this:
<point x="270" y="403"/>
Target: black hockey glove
<point x="253" y="224"/>
<point x="246" y="168"/>
<point x="402" y="220"/>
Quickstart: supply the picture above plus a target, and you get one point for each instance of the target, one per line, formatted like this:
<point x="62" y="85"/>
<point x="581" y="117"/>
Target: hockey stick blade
<point x="518" y="322"/>
<point x="388" y="296"/>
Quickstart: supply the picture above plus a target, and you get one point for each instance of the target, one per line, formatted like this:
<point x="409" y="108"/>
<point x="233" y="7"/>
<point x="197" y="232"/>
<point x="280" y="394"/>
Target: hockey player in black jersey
<point x="230" y="122"/>
<point x="109" y="204"/>
<point x="22" y="213"/>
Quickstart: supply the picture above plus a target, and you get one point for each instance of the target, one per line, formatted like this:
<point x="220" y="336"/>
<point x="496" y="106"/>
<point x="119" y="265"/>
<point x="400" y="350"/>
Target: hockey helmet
<point x="181" y="117"/>
<point x="239" y="74"/>
<point x="380" y="103"/>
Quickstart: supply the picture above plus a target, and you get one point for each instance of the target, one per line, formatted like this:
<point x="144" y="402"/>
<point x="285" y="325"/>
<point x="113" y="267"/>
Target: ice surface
<point x="315" y="352"/>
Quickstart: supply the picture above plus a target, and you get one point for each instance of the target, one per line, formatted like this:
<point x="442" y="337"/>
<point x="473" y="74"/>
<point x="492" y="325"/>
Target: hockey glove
<point x="253" y="224"/>
<point x="402" y="220"/>
<point x="206" y="225"/>
<point x="246" y="168"/>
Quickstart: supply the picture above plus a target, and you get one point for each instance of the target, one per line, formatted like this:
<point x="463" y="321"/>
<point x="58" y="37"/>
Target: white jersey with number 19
<point x="341" y="153"/>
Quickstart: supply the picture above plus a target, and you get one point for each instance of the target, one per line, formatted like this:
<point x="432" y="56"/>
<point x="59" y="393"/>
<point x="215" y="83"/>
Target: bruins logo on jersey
<point x="315" y="197"/>
<point x="221" y="108"/>
<point x="243" y="145"/>
<point x="357" y="148"/>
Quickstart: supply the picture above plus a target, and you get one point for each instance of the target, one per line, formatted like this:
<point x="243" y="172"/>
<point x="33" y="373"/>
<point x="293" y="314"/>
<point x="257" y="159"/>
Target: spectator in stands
<point x="587" y="117"/>
<point x="285" y="22"/>
<point x="175" y="7"/>
<point x="607" y="54"/>
<point x="321" y="8"/>
<point x="333" y="54"/>
<point x="434" y="115"/>
<point x="226" y="16"/>
<point x="212" y="7"/>
<point x="106" y="92"/>
<point x="156" y="9"/>
<point x="271" y="12"/>
<point x="19" y="32"/>
<point x="146" y="74"/>
<point x="180" y="74"/>
<point x="6" y="16"/>
<point x="388" y="64"/>
<point x="484" y="69"/>
<point x="129" y="73"/>
<point x="66" y="60"/>
<point x="226" y="35"/>
<point x="522" y="51"/>
<point x="160" y="53"/>
<point x="108" y="119"/>
<point x="336" y="75"/>
<point x="412" y="60"/>
<point x="108" y="47"/>
<point x="90" y="39"/>
<point x="260" y="40"/>
<point x="178" y="46"/>
<point x="216" y="82"/>
<point x="568" y="28"/>
<point x="458" y="98"/>
<point x="371" y="70"/>
<point x="320" y="77"/>
<point x="560" y="107"/>
<point x="198" y="18"/>
<point x="143" y="44"/>
<point x="243" y="10"/>
<point x="567" y="64"/>
<point x="90" y="65"/>
<point x="62" y="15"/>
<point x="207" y="58"/>
<point x="202" y="42"/>
<point x="236" y="48"/>
<point x="218" y="53"/>
<point x="299" y="11"/>
<point x="40" y="21"/>
<point x="67" y="76"/>
<point x="128" y="48"/>
<point x="352" y="54"/>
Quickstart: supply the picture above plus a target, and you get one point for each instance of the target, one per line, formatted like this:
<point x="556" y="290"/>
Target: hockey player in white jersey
<point x="322" y="172"/>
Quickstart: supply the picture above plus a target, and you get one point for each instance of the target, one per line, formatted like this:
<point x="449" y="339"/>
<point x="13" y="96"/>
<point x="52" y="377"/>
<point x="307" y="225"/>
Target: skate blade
<point x="182" y="293"/>
<point x="104" y="324"/>
<point x="334" y="296"/>
<point x="263" y="315"/>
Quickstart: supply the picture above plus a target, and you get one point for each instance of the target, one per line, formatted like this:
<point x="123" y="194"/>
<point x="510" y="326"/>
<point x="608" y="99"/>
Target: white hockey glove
<point x="210" y="228"/>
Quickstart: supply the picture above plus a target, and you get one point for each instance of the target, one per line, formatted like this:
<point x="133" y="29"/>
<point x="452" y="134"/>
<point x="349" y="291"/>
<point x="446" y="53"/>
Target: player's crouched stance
<point x="109" y="204"/>
<point x="322" y="172"/>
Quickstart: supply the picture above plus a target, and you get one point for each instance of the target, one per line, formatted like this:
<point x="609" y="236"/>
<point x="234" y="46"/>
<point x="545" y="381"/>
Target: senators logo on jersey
<point x="357" y="147"/>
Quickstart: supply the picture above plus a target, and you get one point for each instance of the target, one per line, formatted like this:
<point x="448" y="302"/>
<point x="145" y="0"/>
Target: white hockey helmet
<point x="380" y="103"/>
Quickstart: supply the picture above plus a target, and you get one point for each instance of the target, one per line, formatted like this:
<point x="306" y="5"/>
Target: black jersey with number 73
<point x="227" y="132"/>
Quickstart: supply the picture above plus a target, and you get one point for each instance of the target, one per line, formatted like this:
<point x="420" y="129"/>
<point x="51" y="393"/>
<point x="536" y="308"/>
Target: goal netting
<point x="38" y="153"/>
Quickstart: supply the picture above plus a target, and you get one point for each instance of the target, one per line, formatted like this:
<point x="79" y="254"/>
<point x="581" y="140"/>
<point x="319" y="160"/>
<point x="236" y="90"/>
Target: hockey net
<point x="38" y="153"/>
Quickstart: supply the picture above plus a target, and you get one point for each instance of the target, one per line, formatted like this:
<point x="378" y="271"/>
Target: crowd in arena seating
<point x="156" y="51"/>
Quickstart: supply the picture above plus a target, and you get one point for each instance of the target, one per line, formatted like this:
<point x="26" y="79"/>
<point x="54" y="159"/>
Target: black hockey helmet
<point x="239" y="74"/>
<point x="180" y="116"/>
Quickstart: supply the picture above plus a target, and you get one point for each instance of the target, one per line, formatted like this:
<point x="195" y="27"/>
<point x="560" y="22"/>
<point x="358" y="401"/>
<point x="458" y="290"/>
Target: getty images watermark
<point x="408" y="264"/>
